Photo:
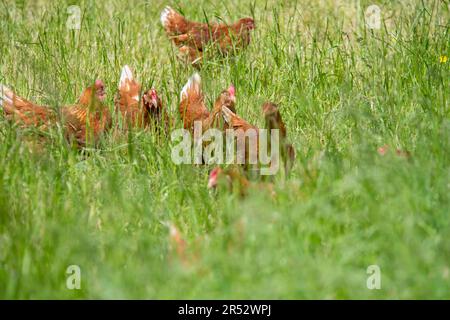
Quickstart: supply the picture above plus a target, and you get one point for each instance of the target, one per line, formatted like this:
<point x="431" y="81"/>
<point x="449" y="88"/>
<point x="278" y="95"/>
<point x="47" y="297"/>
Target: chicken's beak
<point x="101" y="94"/>
<point x="232" y="91"/>
<point x="154" y="97"/>
<point x="212" y="183"/>
<point x="100" y="89"/>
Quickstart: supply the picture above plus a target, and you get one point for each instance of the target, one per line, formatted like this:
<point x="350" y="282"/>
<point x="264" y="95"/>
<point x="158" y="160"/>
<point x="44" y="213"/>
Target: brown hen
<point x="275" y="122"/>
<point x="137" y="111"/>
<point x="193" y="108"/>
<point x="192" y="37"/>
<point x="233" y="180"/>
<point x="83" y="122"/>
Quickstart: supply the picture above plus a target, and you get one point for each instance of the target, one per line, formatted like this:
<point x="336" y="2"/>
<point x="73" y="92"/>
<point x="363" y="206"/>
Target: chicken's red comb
<point x="214" y="172"/>
<point x="232" y="91"/>
<point x="99" y="83"/>
<point x="212" y="182"/>
<point x="153" y="93"/>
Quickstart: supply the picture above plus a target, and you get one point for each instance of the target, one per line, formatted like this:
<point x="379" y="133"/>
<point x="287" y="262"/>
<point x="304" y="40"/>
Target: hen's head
<point x="100" y="92"/>
<point x="151" y="101"/>
<point x="269" y="109"/>
<point x="93" y="94"/>
<point x="230" y="178"/>
<point x="272" y="115"/>
<point x="214" y="177"/>
<point x="227" y="98"/>
<point x="270" y="112"/>
<point x="247" y="23"/>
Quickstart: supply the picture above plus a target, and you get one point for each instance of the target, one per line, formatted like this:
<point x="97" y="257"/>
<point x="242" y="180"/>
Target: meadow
<point x="344" y="91"/>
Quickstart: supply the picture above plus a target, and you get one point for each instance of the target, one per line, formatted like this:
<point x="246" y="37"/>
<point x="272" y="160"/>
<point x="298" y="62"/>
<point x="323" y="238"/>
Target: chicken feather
<point x="88" y="114"/>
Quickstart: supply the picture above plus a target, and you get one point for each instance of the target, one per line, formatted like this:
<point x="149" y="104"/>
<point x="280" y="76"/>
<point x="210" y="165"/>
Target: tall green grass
<point x="344" y="90"/>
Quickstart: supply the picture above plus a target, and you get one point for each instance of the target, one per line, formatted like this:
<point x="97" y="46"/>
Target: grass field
<point x="344" y="90"/>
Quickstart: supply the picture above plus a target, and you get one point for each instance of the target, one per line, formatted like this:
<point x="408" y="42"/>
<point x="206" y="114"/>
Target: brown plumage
<point x="84" y="122"/>
<point x="127" y="100"/>
<point x="193" y="37"/>
<point x="233" y="180"/>
<point x="190" y="55"/>
<point x="155" y="114"/>
<point x="193" y="108"/>
<point x="136" y="111"/>
<point x="273" y="120"/>
<point x="227" y="98"/>
<point x="192" y="103"/>
<point x="235" y="122"/>
<point x="247" y="137"/>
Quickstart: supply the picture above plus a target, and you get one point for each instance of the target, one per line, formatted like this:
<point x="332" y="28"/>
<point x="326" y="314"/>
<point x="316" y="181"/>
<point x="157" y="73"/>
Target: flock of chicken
<point x="85" y="121"/>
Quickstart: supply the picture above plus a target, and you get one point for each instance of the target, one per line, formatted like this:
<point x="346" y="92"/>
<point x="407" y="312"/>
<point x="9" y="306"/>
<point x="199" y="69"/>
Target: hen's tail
<point x="6" y="98"/>
<point x="129" y="88"/>
<point x="20" y="109"/>
<point x="192" y="88"/>
<point x="126" y="77"/>
<point x="173" y="22"/>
